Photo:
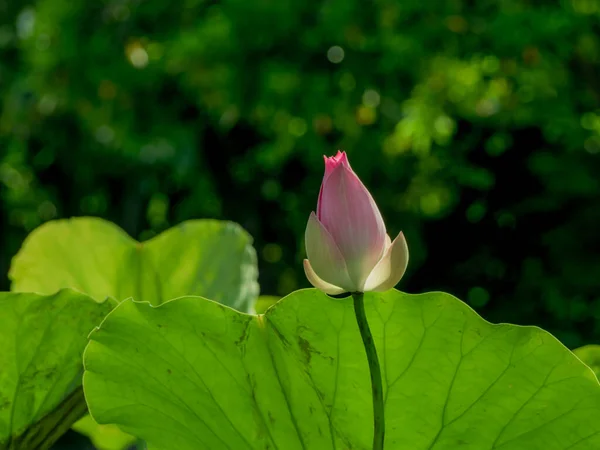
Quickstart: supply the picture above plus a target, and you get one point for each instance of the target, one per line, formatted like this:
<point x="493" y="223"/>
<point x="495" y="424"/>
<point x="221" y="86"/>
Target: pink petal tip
<point x="331" y="162"/>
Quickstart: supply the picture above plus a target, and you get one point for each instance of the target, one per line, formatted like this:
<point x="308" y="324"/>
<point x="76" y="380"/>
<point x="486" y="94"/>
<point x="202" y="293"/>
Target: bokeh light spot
<point x="506" y="220"/>
<point x="444" y="125"/>
<point x="158" y="208"/>
<point x="105" y="134"/>
<point x="107" y="90"/>
<point x="297" y="127"/>
<point x="592" y="144"/>
<point x="47" y="105"/>
<point x="586" y="7"/>
<point x="371" y="98"/>
<point x="498" y="143"/>
<point x="475" y="212"/>
<point x="335" y="54"/>
<point x="272" y="253"/>
<point x="490" y="64"/>
<point x="457" y="24"/>
<point x="138" y="56"/>
<point x="431" y="204"/>
<point x="47" y="210"/>
<point x="347" y="82"/>
<point x="590" y="121"/>
<point x="322" y="124"/>
<point x="478" y="297"/>
<point x="25" y="23"/>
<point x="365" y="115"/>
<point x="270" y="189"/>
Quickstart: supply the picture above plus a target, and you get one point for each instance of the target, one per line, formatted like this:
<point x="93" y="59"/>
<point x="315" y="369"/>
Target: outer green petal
<point x="325" y="257"/>
<point x="390" y="269"/>
<point x="318" y="282"/>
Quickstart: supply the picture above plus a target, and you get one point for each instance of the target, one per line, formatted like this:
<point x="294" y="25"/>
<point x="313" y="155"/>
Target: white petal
<point x="317" y="282"/>
<point x="324" y="255"/>
<point x="390" y="268"/>
<point x="388" y="242"/>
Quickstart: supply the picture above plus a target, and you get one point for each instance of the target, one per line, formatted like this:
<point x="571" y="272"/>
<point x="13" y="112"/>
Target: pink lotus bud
<point x="347" y="246"/>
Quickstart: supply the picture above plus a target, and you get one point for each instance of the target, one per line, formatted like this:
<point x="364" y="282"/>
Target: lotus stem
<point x="374" y="369"/>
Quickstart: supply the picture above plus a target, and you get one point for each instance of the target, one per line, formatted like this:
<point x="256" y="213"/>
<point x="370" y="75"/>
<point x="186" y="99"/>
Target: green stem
<point x="374" y="369"/>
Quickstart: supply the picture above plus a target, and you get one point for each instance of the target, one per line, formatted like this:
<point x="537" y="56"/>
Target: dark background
<point x="475" y="124"/>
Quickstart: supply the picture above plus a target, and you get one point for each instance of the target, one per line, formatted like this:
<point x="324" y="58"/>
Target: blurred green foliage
<point x="475" y="124"/>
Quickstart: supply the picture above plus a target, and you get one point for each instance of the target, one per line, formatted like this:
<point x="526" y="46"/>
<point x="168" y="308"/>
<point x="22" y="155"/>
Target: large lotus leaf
<point x="193" y="374"/>
<point x="41" y="346"/>
<point x="211" y="258"/>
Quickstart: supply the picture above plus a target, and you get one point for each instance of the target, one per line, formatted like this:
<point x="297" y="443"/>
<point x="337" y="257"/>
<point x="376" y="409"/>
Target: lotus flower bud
<point x="347" y="247"/>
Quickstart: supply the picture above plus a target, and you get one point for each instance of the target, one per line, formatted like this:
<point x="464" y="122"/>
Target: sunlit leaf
<point x="42" y="340"/>
<point x="193" y="374"/>
<point x="211" y="258"/>
<point x="104" y="437"/>
<point x="203" y="257"/>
